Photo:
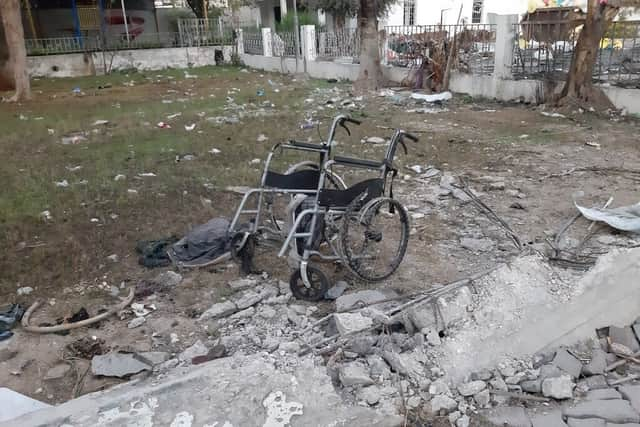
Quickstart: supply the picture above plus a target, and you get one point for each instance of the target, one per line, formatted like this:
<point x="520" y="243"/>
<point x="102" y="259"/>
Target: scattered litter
<point x="76" y="91"/>
<point x="436" y="97"/>
<point x="120" y="177"/>
<point x="190" y="127"/>
<point x="262" y="138"/>
<point x="215" y="151"/>
<point x="140" y="310"/>
<point x="147" y="174"/>
<point x="86" y="347"/>
<point x="64" y="183"/>
<point x="46" y="215"/>
<point x="554" y="115"/>
<point x="592" y="144"/>
<point x="132" y="191"/>
<point x="136" y="322"/>
<point x="167" y="101"/>
<point x="163" y="125"/>
<point x="307" y="124"/>
<point x="205" y="244"/>
<point x="524" y="136"/>
<point x="173" y="116"/>
<point x="51" y="131"/>
<point x="73" y="168"/>
<point x="625" y="218"/>
<point x="95" y="220"/>
<point x="25" y="290"/>
<point x="73" y="139"/>
<point x="375" y="140"/>
<point x="260" y="92"/>
<point x="9" y="316"/>
<point x="100" y="122"/>
<point x="416" y="168"/>
<point x="255" y="161"/>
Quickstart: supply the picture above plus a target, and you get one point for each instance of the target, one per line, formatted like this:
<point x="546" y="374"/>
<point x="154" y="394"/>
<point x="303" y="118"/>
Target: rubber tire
<point x="319" y="288"/>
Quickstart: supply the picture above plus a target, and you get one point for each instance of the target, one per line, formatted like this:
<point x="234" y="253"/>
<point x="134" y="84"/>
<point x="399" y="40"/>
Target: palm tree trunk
<point x="14" y="36"/>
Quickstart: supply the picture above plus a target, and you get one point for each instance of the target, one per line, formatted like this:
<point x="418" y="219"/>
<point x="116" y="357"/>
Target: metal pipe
<point x="124" y="17"/>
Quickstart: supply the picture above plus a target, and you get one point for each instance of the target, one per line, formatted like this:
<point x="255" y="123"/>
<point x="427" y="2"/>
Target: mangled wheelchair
<point x="360" y="226"/>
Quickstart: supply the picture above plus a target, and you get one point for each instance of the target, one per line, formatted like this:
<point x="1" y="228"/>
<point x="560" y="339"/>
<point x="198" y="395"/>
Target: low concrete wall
<point x="315" y="69"/>
<point x="503" y="90"/>
<point x="628" y="99"/>
<point x="89" y="64"/>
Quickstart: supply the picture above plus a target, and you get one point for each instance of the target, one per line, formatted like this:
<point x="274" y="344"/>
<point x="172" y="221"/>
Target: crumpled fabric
<point x="203" y="244"/>
<point x="625" y="218"/>
<point x="153" y="253"/>
<point x="9" y="316"/>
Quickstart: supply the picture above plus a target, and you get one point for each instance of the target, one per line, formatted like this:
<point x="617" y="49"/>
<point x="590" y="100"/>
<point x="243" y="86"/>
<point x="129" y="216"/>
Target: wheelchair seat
<point x="300" y="180"/>
<point x="330" y="198"/>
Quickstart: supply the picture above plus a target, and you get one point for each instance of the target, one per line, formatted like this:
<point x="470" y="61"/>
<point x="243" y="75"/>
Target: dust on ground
<point x="517" y="159"/>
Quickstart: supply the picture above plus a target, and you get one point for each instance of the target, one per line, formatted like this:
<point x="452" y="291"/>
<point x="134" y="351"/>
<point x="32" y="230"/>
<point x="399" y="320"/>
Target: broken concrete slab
<point x="603" y="394"/>
<point x="512" y="416"/>
<point x="443" y="404"/>
<point x="614" y="411"/>
<point x="14" y="405"/>
<point x="471" y="388"/>
<point x="553" y="419"/>
<point x="632" y="394"/>
<point x="336" y="290"/>
<point x="197" y="349"/>
<point x="351" y="322"/>
<point x="118" y="365"/>
<point x="477" y="245"/>
<point x="624" y="336"/>
<point x="567" y="362"/>
<point x="558" y="388"/>
<point x="597" y="364"/>
<point x="353" y="374"/>
<point x="243" y="283"/>
<point x="221" y="309"/>
<point x="590" y="422"/>
<point x="168" y="279"/>
<point x="355" y="299"/>
<point x="216" y="393"/>
<point x="247" y="299"/>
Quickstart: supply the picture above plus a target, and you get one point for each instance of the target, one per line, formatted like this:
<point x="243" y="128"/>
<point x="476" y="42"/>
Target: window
<point x="409" y="16"/>
<point x="476" y="16"/>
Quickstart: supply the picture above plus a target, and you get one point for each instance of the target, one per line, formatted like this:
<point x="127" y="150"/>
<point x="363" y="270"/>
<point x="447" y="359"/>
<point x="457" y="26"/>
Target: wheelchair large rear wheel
<point x="317" y="279"/>
<point x="374" y="238"/>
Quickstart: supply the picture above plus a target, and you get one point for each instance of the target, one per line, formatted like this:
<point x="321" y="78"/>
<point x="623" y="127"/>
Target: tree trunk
<point x="579" y="85"/>
<point x="14" y="35"/>
<point x="370" y="76"/>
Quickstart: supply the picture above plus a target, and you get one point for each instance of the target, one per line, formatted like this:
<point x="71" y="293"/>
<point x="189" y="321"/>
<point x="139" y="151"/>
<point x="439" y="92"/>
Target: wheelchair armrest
<point x="318" y="147"/>
<point x="350" y="161"/>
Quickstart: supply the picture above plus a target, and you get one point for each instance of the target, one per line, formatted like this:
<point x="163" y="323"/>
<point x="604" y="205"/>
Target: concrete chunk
<point x="219" y="310"/>
<point x="471" y="388"/>
<point x="603" y="394"/>
<point x="632" y="394"/>
<point x="345" y="302"/>
<point x="597" y="364"/>
<point x="353" y="374"/>
<point x="117" y="365"/>
<point x="554" y="419"/>
<point x="512" y="416"/>
<point x="615" y="411"/>
<point x="558" y="388"/>
<point x="568" y="363"/>
<point x="351" y="322"/>
<point x="442" y="403"/>
<point x="625" y="337"/>
<point x="591" y="422"/>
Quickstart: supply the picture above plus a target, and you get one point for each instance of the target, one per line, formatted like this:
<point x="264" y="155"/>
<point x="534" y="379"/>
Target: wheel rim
<point x="317" y="282"/>
<point x="374" y="239"/>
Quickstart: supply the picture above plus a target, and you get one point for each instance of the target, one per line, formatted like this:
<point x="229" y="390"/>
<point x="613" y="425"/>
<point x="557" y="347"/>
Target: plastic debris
<point x="64" y="183"/>
<point x="190" y="127"/>
<point x="260" y="92"/>
<point x="173" y="116"/>
<point x="163" y="125"/>
<point x="9" y="316"/>
<point x="625" y="218"/>
<point x="554" y="115"/>
<point x="100" y="122"/>
<point x="215" y="151"/>
<point x="436" y="97"/>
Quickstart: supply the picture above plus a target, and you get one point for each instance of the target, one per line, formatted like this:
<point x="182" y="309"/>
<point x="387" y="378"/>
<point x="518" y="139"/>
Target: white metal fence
<point x="341" y="43"/>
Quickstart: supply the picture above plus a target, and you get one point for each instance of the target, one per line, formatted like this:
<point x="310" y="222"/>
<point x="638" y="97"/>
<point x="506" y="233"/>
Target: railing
<point x="409" y="46"/>
<point x="344" y="43"/>
<point x="58" y="45"/>
<point x="252" y="42"/>
<point x="143" y="41"/>
<point x="283" y="44"/>
<point x="545" y="50"/>
<point x="204" y="32"/>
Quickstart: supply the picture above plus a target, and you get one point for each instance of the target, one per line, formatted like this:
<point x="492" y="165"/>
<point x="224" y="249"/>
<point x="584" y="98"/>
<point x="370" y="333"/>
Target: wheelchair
<point x="361" y="226"/>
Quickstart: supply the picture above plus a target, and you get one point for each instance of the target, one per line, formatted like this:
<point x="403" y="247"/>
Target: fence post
<point x="505" y="41"/>
<point x="240" y="41"/>
<point x="385" y="47"/>
<point x="266" y="42"/>
<point x="309" y="51"/>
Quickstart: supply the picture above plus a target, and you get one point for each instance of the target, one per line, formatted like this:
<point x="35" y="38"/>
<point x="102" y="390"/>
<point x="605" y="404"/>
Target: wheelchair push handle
<point x="347" y="119"/>
<point x="411" y="137"/>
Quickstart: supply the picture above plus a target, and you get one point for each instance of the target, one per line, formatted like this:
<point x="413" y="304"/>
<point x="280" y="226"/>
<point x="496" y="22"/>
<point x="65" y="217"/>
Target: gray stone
<point x="632" y="394"/>
<point x="197" y="349"/>
<point x="532" y="386"/>
<point x="476" y="245"/>
<point x="351" y="322"/>
<point x="636" y="329"/>
<point x="244" y="314"/>
<point x="511" y="416"/>
<point x="378" y="367"/>
<point x="117" y="365"/>
<point x="623" y="425"/>
<point x="453" y="417"/>
<point x="375" y="140"/>
<point x="247" y="299"/>
<point x="463" y="421"/>
<point x="362" y="345"/>
<point x="615" y="411"/>
<point x="592" y="383"/>
<point x="443" y="404"/>
<point x="482" y="398"/>
<point x="424" y="319"/>
<point x="603" y="394"/>
<point x="471" y="388"/>
<point x="168" y="279"/>
<point x="289" y="347"/>
<point x="348" y="301"/>
<point x="154" y="358"/>
<point x="439" y="387"/>
<point x="136" y="322"/>
<point x="567" y="363"/>
<point x="454" y="308"/>
<point x="15" y="405"/>
<point x="516" y="379"/>
<point x="219" y="310"/>
<point x="353" y="374"/>
<point x="597" y="364"/>
<point x="267" y="312"/>
<point x="625" y="337"/>
<point x="336" y="290"/>
<point x="413" y="402"/>
<point x="244" y="283"/>
<point x="371" y="395"/>
<point x="482" y="375"/>
<point x="499" y="384"/>
<point x="558" y="388"/>
<point x="57" y="372"/>
<point x="589" y="422"/>
<point x="554" y="419"/>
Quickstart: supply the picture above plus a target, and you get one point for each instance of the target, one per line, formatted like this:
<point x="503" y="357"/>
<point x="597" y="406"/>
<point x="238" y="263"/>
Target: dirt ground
<point x="524" y="165"/>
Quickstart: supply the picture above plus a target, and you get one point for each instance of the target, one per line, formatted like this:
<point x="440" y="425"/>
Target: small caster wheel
<point x="317" y="279"/>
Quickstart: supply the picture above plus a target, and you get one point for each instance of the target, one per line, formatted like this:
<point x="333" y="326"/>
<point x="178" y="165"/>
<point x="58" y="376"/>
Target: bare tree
<point x="579" y="86"/>
<point x="17" y="61"/>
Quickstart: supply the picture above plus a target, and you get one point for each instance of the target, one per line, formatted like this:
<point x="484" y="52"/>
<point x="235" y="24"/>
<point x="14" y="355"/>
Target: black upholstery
<point x="300" y="180"/>
<point x="342" y="198"/>
<point x="350" y="161"/>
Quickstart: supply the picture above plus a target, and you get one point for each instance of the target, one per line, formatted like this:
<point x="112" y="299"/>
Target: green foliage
<point x="347" y="7"/>
<point x="304" y="18"/>
<point x="174" y="15"/>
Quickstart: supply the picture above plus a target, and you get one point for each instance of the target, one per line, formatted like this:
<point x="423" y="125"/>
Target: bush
<point x="286" y="25"/>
